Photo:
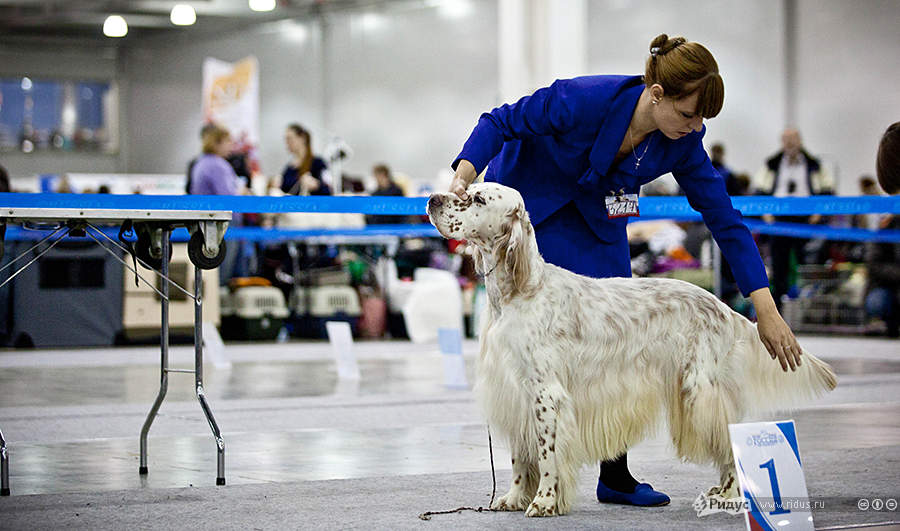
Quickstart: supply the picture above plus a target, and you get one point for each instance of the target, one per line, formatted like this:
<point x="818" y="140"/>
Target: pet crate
<point x="252" y="312"/>
<point x="312" y="307"/>
<point x="829" y="300"/>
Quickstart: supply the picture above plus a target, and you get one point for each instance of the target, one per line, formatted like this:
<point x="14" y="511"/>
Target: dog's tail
<point x="768" y="386"/>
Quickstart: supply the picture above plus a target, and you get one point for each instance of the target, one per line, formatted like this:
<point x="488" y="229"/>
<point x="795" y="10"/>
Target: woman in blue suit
<point x="579" y="150"/>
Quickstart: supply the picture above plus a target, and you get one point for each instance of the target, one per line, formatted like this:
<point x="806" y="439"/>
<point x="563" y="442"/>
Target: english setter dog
<point x="574" y="370"/>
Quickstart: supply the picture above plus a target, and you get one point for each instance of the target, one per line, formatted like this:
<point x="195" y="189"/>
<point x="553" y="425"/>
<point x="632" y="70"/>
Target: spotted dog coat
<point x="574" y="370"/>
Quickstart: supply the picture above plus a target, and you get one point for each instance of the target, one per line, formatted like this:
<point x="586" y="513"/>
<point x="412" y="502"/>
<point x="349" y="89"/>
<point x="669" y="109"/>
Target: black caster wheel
<point x="195" y="253"/>
<point x="142" y="250"/>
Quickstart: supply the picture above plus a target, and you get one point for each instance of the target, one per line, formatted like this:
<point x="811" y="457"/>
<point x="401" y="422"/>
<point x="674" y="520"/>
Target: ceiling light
<point x="454" y="9"/>
<point x="262" y="5"/>
<point x="183" y="15"/>
<point x="115" y="26"/>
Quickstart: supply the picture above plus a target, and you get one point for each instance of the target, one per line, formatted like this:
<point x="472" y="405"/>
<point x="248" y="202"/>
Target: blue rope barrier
<point x="258" y="234"/>
<point x="651" y="207"/>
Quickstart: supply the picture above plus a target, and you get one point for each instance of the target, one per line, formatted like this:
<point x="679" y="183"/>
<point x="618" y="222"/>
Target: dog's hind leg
<point x="699" y="425"/>
<point x="523" y="484"/>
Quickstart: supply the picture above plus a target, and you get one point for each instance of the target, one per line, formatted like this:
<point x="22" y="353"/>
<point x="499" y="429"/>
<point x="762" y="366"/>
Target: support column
<point x="540" y="41"/>
<point x="790" y="63"/>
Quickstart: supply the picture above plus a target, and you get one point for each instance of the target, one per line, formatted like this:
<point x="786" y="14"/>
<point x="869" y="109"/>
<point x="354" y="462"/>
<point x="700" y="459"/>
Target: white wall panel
<point x="847" y="81"/>
<point x="406" y="86"/>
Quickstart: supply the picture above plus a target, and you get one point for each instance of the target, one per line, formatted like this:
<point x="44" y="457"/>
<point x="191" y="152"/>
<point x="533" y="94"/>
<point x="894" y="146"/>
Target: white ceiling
<point x="29" y="20"/>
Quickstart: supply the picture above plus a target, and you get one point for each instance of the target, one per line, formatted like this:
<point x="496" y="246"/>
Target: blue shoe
<point x="643" y="496"/>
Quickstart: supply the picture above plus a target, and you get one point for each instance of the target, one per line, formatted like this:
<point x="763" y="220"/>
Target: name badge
<point x="622" y="205"/>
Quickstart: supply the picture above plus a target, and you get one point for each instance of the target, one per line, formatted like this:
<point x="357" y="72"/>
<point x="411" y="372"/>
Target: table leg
<point x="164" y="352"/>
<point x="4" y="467"/>
<point x="198" y="375"/>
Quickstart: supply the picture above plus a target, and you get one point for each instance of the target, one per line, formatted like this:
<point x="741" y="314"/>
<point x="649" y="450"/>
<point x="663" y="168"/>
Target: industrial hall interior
<point x="449" y="264"/>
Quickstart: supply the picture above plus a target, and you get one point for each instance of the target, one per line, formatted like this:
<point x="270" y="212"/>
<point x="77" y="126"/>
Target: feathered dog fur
<point x="575" y="370"/>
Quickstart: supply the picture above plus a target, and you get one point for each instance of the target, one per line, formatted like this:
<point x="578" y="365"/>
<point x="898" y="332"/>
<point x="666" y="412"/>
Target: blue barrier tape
<point x="651" y="207"/>
<point x="799" y="230"/>
<point x="257" y="234"/>
<point x="243" y="203"/>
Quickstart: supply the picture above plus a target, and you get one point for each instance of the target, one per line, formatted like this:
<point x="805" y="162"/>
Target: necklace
<point x="637" y="162"/>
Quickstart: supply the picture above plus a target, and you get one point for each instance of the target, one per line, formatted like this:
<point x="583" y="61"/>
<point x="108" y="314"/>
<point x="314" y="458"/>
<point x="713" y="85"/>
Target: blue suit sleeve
<point x="705" y="191"/>
<point x="552" y="110"/>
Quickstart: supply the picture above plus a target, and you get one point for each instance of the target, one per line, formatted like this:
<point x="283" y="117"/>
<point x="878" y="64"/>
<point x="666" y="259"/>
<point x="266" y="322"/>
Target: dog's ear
<point x="515" y="252"/>
<point x="477" y="258"/>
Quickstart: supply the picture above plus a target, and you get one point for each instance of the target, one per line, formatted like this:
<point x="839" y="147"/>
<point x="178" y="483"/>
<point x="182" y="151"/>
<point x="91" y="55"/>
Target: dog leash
<point x="428" y="514"/>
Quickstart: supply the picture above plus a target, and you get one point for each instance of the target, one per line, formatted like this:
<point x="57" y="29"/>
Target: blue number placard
<point x="767" y="459"/>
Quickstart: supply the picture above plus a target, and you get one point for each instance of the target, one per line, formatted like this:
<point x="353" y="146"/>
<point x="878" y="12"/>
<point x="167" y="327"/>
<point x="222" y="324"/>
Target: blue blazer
<point x="557" y="146"/>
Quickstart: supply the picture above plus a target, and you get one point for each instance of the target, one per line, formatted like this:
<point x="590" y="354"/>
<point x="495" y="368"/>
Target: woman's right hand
<point x="465" y="174"/>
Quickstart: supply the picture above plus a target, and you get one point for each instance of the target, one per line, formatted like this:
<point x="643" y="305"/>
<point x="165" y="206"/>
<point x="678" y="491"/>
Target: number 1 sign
<point x="767" y="459"/>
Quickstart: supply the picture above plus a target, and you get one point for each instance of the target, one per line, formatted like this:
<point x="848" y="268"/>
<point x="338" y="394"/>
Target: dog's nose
<point x="435" y="201"/>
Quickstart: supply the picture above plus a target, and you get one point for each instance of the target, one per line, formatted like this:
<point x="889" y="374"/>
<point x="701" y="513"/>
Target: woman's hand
<point x="308" y="183"/>
<point x="775" y="334"/>
<point x="465" y="174"/>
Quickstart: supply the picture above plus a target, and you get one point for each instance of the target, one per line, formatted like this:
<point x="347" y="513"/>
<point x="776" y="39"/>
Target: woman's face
<point x="223" y="148"/>
<point x="677" y="118"/>
<point x="295" y="143"/>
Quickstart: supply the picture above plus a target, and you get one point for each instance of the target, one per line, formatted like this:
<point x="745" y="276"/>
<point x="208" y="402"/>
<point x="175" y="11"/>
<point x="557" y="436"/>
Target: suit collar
<point x="609" y="138"/>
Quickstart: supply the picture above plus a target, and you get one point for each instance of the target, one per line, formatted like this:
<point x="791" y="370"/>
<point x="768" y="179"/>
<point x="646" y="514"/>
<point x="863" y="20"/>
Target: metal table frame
<point x="83" y="222"/>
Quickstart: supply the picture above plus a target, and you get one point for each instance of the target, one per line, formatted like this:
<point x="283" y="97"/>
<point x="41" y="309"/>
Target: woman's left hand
<point x="775" y="334"/>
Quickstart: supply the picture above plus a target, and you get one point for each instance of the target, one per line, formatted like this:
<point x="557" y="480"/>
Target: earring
<point x="654" y="102"/>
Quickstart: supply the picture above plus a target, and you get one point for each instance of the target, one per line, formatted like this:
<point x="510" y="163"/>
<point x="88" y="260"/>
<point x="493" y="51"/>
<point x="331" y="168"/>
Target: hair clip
<point x="654" y="51"/>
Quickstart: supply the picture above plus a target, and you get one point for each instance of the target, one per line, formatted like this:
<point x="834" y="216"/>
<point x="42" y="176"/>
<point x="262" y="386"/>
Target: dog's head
<point x="494" y="220"/>
<point x="490" y="211"/>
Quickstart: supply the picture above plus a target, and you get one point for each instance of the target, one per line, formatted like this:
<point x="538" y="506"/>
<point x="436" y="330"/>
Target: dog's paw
<point x="728" y="489"/>
<point x="724" y="493"/>
<point x="714" y="491"/>
<point x="542" y="506"/>
<point x="514" y="500"/>
<point x="544" y="503"/>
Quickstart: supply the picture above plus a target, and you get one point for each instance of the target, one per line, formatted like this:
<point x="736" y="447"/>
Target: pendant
<point x="637" y="164"/>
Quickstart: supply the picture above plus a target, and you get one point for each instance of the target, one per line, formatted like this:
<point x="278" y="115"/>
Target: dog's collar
<point x="492" y="270"/>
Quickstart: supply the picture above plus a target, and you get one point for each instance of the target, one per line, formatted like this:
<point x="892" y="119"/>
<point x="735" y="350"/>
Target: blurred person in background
<point x="883" y="259"/>
<point x="792" y="172"/>
<point x="306" y="173"/>
<point x="717" y="157"/>
<point x="871" y="221"/>
<point x="385" y="186"/>
<point x="883" y="290"/>
<point x="213" y="175"/>
<point x="887" y="163"/>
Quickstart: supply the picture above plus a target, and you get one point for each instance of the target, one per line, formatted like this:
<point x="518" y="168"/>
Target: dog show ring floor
<point x="305" y="450"/>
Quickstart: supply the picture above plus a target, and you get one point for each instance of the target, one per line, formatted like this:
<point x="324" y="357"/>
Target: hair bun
<point x="662" y="44"/>
<point x="659" y="41"/>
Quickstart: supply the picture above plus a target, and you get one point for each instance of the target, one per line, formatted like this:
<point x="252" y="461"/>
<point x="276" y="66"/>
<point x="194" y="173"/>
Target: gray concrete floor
<point x="293" y="430"/>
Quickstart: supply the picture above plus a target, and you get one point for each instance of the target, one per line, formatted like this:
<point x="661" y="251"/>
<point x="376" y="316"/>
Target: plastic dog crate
<point x="313" y="307"/>
<point x="252" y="313"/>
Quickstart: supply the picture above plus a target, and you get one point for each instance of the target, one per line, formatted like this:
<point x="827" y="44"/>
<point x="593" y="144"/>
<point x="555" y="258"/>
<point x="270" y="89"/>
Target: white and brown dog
<point x="575" y="370"/>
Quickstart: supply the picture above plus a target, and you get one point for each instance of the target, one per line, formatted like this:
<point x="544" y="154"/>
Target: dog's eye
<point x="478" y="200"/>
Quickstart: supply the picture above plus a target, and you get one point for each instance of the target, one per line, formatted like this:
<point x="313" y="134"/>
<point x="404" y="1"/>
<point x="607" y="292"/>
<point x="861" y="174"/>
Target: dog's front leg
<point x="545" y="500"/>
<point x="522" y="486"/>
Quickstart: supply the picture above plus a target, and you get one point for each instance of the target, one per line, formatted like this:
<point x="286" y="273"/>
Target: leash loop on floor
<point x="428" y="514"/>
